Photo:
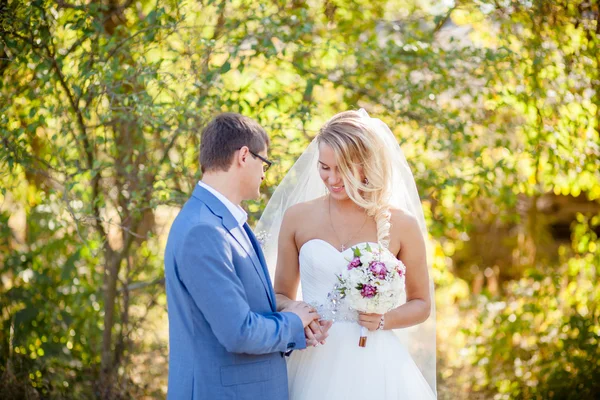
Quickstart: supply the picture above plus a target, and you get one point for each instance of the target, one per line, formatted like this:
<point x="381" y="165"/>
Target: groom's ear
<point x="242" y="155"/>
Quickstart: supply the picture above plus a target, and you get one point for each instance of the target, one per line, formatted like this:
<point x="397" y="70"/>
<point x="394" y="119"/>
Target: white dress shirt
<point x="238" y="212"/>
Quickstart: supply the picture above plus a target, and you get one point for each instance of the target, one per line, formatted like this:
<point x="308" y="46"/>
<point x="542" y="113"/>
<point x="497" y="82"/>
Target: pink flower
<point x="368" y="291"/>
<point x="378" y="269"/>
<point x="400" y="272"/>
<point x="354" y="263"/>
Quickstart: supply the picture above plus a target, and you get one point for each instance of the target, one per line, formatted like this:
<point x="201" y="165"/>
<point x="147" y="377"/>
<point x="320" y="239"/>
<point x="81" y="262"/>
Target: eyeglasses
<point x="267" y="162"/>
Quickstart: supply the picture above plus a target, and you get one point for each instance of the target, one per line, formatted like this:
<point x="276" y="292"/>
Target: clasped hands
<point x="315" y="329"/>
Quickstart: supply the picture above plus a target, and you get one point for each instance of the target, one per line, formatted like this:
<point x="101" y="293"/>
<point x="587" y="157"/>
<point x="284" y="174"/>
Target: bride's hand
<point x="312" y="333"/>
<point x="323" y="326"/>
<point x="316" y="332"/>
<point x="369" y="321"/>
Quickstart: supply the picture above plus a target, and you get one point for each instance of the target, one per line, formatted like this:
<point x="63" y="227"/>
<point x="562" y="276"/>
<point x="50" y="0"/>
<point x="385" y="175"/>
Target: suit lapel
<point x="263" y="264"/>
<point x="234" y="229"/>
<point x="239" y="236"/>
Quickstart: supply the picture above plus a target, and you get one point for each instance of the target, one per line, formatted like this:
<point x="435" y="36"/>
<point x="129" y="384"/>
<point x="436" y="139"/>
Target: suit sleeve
<point x="206" y="269"/>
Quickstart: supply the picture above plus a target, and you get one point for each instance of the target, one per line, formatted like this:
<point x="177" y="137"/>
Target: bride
<point x="352" y="187"/>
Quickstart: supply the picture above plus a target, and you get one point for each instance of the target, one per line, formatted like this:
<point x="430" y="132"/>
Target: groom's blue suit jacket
<point x="226" y="341"/>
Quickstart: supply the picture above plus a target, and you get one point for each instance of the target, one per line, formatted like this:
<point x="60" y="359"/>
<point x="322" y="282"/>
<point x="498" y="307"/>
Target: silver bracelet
<point x="381" y="323"/>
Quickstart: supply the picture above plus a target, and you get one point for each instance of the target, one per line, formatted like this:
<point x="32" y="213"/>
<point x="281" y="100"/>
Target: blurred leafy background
<point x="496" y="105"/>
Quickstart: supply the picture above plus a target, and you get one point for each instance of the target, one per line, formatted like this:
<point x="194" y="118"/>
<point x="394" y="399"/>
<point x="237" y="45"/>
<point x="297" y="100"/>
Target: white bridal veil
<point x="303" y="183"/>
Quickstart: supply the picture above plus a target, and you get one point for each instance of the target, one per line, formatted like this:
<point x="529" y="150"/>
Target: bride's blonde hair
<point x="356" y="144"/>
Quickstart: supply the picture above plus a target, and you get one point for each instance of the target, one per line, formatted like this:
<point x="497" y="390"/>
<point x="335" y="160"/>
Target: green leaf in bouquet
<point x="356" y="251"/>
<point x="368" y="248"/>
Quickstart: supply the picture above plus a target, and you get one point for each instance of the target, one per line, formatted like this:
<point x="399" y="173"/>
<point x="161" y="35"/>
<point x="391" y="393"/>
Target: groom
<point x="226" y="340"/>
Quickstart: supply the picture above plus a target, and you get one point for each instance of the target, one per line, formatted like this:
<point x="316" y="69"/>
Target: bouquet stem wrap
<point x="362" y="342"/>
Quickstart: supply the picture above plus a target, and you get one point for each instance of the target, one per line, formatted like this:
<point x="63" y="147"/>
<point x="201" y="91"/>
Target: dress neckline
<point x="333" y="247"/>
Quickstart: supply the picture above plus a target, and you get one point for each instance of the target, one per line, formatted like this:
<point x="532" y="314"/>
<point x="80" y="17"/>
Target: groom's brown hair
<point x="226" y="134"/>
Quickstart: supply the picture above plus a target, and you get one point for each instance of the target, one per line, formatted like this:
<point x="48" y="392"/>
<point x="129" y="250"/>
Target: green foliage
<point x="541" y="340"/>
<point x="496" y="105"/>
<point x="50" y="331"/>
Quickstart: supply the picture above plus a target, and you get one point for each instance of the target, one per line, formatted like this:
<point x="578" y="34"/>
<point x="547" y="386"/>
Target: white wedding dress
<point x="340" y="369"/>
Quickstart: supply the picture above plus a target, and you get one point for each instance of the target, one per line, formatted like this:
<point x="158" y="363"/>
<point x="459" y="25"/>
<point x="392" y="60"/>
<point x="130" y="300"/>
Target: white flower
<point x="366" y="258"/>
<point x="383" y="287"/>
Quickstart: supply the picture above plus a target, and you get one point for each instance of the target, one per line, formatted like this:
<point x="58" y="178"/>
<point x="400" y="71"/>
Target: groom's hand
<point x="305" y="312"/>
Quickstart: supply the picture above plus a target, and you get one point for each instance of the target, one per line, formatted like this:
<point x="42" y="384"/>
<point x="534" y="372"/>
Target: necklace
<point x="343" y="244"/>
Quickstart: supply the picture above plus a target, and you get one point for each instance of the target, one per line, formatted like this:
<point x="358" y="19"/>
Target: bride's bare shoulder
<point x="402" y="221"/>
<point x="404" y="230"/>
<point x="303" y="211"/>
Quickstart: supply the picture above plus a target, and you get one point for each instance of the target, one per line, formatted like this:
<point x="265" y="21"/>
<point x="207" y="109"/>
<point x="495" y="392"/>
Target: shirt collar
<point x="238" y="212"/>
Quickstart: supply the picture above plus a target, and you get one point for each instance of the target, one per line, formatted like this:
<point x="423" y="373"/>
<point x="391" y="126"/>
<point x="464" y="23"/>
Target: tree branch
<point x="64" y="4"/>
<point x="142" y="285"/>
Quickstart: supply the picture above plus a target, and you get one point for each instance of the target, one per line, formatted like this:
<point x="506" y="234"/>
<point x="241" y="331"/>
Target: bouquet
<point x="373" y="282"/>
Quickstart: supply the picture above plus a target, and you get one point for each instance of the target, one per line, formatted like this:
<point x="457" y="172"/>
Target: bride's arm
<point x="413" y="254"/>
<point x="418" y="301"/>
<point x="287" y="275"/>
